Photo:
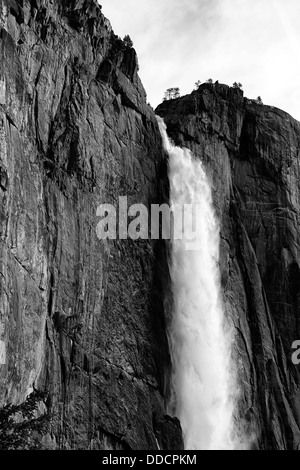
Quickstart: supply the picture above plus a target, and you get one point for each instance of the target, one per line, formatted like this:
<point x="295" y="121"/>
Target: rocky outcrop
<point x="251" y="153"/>
<point x="82" y="319"/>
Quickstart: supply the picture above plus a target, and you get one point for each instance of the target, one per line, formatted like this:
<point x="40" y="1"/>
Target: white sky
<point x="255" y="42"/>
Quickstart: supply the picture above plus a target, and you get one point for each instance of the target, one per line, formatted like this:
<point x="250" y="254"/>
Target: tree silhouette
<point x="259" y="100"/>
<point x="128" y="41"/>
<point x="237" y="85"/>
<point x="171" y="94"/>
<point x="209" y="80"/>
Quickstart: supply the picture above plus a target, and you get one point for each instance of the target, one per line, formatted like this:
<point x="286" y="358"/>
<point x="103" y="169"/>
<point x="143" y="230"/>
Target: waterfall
<point x="203" y="382"/>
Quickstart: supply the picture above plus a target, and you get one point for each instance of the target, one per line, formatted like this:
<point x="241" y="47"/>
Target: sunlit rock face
<point x="82" y="320"/>
<point x="251" y="153"/>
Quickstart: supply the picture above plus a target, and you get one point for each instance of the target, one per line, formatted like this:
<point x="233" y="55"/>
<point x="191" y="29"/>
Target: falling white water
<point x="204" y="385"/>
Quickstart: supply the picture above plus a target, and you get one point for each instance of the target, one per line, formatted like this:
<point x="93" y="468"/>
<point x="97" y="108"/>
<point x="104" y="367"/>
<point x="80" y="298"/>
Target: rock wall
<point x="252" y="154"/>
<point x="82" y="319"/>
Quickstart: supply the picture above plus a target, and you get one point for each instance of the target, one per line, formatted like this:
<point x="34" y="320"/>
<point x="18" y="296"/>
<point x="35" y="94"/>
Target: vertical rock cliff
<point x="84" y="359"/>
<point x="252" y="155"/>
<point x="82" y="320"/>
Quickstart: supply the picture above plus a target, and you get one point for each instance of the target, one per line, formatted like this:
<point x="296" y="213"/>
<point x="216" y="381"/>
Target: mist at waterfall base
<point x="204" y="387"/>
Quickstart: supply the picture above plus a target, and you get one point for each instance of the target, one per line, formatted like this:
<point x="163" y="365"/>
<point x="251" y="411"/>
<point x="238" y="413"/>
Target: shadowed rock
<point x="83" y="319"/>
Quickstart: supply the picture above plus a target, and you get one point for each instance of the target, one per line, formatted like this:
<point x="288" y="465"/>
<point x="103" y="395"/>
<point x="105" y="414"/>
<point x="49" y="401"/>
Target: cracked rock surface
<point x="82" y="319"/>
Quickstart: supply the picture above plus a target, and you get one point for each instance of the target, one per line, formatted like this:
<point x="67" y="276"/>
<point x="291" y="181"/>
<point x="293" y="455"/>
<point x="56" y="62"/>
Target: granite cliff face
<point x="252" y="154"/>
<point x="82" y="320"/>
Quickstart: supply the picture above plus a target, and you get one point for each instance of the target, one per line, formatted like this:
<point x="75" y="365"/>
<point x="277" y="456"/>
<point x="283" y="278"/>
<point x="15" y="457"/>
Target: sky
<point x="178" y="42"/>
